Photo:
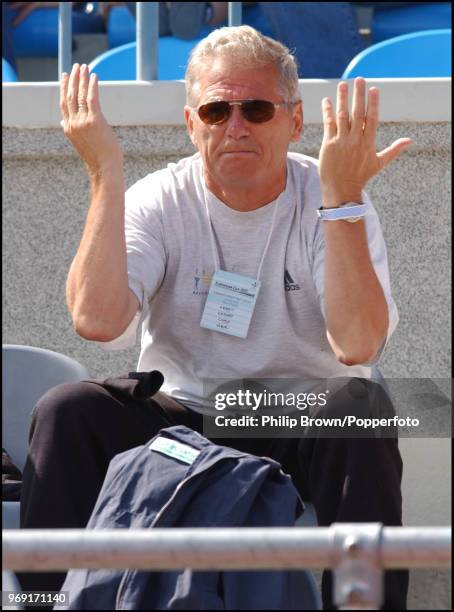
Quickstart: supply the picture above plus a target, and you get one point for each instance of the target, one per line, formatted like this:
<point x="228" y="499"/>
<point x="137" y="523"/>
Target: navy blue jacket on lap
<point x="190" y="483"/>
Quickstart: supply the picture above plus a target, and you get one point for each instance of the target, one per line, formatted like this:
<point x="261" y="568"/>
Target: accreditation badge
<point x="230" y="303"/>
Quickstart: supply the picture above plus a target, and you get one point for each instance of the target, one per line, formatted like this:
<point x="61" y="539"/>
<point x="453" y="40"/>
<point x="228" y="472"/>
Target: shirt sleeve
<point x="379" y="259"/>
<point x="146" y="253"/>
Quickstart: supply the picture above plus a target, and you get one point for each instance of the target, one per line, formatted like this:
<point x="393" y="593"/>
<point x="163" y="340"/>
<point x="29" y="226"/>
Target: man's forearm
<point x="98" y="295"/>
<point x="355" y="306"/>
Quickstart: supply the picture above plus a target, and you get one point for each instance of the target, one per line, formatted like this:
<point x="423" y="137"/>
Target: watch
<point x="349" y="211"/>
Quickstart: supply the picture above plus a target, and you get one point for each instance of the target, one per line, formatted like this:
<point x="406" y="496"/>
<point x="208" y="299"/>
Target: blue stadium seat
<point x="121" y="27"/>
<point x="391" y="22"/>
<point x="8" y="74"/>
<point x="420" y="54"/>
<point x="37" y="34"/>
<point x="119" y="64"/>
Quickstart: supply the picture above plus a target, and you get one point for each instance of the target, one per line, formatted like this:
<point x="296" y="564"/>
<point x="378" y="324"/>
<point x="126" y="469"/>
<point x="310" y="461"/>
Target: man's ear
<point x="297" y="122"/>
<point x="188" y="117"/>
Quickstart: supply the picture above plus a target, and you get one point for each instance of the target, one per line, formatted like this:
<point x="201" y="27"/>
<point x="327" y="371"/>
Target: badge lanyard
<point x="232" y="297"/>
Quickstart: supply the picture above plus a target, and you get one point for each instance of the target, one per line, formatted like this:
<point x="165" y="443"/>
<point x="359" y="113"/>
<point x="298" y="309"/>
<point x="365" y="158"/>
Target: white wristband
<point x="347" y="212"/>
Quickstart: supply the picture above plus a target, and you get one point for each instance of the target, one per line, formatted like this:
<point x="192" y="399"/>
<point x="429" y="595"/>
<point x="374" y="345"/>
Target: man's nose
<point x="237" y="126"/>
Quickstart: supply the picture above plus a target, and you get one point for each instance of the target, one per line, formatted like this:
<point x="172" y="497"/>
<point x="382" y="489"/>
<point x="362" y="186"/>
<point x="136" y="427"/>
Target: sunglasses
<point x="255" y="111"/>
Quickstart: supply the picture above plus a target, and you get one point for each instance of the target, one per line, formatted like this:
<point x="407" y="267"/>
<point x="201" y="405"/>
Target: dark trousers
<point x="78" y="427"/>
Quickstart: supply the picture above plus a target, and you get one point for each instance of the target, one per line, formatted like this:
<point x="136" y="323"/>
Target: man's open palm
<point x="83" y="122"/>
<point x="348" y="157"/>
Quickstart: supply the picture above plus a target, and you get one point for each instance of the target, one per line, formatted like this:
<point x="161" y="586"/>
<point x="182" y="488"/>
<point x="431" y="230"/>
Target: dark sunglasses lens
<point x="214" y="112"/>
<point x="258" y="111"/>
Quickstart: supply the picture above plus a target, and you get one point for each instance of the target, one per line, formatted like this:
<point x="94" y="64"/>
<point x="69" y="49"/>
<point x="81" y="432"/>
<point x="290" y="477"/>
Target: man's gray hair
<point x="248" y="48"/>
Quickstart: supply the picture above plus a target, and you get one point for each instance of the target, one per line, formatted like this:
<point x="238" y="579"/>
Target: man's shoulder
<point x="175" y="175"/>
<point x="303" y="163"/>
<point x="185" y="170"/>
<point x="304" y="179"/>
<point x="303" y="171"/>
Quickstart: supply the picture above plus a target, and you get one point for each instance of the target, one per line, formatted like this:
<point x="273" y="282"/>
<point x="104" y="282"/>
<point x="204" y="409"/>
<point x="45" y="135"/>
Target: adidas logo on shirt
<point x="289" y="283"/>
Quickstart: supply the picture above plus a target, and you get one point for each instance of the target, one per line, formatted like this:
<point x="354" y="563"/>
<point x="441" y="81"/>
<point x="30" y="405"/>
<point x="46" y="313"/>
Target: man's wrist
<point x="109" y="172"/>
<point x="335" y="199"/>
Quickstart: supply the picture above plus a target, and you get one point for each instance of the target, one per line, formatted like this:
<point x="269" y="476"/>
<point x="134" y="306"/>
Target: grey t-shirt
<point x="171" y="262"/>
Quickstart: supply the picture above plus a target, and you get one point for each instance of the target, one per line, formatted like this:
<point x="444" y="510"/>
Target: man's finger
<point x="359" y="105"/>
<point x="371" y="122"/>
<point x="342" y="115"/>
<point x="63" y="93"/>
<point x="393" y="151"/>
<point x="83" y="89"/>
<point x="329" y="121"/>
<point x="73" y="89"/>
<point x="93" y="95"/>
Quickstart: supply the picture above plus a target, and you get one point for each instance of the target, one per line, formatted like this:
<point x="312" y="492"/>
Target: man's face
<point x="238" y="153"/>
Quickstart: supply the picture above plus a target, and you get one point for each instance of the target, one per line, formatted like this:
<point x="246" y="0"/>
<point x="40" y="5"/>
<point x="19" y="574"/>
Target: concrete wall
<point x="45" y="199"/>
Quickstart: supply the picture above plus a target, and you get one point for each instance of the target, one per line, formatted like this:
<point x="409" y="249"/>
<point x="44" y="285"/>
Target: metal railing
<point x="357" y="552"/>
<point x="147" y="34"/>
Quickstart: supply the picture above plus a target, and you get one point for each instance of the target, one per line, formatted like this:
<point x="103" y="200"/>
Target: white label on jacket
<point x="175" y="449"/>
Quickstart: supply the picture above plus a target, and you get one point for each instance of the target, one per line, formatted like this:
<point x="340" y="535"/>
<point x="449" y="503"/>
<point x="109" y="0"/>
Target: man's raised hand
<point x="348" y="157"/>
<point x="84" y="124"/>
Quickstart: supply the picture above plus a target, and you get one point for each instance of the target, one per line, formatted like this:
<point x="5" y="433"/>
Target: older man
<point x="241" y="212"/>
